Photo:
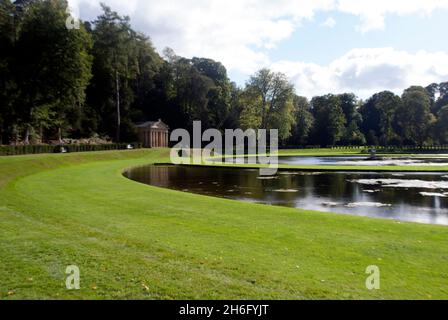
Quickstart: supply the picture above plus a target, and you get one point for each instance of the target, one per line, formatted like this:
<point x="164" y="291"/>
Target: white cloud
<point x="367" y="71"/>
<point x="373" y="12"/>
<point x="236" y="32"/>
<point x="329" y="23"/>
<point x="240" y="34"/>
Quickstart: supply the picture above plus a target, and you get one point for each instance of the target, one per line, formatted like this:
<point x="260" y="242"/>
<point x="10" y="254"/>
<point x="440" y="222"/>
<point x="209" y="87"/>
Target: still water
<point x="412" y="197"/>
<point x="363" y="161"/>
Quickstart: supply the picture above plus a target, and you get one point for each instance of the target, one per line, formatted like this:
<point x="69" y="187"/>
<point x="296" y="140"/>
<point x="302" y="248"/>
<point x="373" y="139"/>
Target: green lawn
<point x="132" y="241"/>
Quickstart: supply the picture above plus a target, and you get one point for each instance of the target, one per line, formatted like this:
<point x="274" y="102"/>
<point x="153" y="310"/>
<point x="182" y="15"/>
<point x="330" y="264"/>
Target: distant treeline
<point x="102" y="78"/>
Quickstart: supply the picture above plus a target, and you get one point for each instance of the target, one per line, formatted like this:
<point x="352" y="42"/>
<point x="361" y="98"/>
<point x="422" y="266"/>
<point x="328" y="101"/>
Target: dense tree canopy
<point x="103" y="77"/>
<point x="414" y="116"/>
<point x="330" y="120"/>
<point x="379" y="118"/>
<point x="271" y="97"/>
<point x="304" y="121"/>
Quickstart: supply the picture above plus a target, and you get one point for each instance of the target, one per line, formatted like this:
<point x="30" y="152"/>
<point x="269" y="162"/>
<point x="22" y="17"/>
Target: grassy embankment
<point x="136" y="241"/>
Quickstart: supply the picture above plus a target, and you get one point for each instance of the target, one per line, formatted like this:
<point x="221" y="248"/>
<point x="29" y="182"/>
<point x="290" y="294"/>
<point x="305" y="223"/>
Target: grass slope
<point x="140" y="242"/>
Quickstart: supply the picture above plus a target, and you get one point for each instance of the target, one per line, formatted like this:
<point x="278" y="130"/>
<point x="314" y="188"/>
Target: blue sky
<point x="316" y="43"/>
<point x="323" y="46"/>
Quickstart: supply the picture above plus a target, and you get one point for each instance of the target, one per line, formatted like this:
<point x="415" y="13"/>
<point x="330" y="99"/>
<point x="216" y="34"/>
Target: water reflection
<point x="339" y="192"/>
<point x="362" y="161"/>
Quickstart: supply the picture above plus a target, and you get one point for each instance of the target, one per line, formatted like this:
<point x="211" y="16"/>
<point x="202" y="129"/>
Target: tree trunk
<point x="41" y="132"/>
<point x="27" y="135"/>
<point x="264" y="114"/>
<point x="60" y="135"/>
<point x="118" y="106"/>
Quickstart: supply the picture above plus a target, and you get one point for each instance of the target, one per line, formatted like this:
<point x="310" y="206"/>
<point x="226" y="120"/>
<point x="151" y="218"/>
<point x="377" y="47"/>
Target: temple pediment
<point x="153" y="134"/>
<point x="153" y="125"/>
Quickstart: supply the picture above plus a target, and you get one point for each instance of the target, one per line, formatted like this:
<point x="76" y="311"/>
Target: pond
<point x="361" y="161"/>
<point x="412" y="197"/>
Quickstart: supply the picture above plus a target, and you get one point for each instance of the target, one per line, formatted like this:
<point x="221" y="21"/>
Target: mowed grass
<point x="133" y="241"/>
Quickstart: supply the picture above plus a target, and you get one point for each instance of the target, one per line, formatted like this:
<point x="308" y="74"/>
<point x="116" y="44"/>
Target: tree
<point x="115" y="65"/>
<point x="353" y="134"/>
<point x="251" y="115"/>
<point x="330" y="120"/>
<point x="441" y="126"/>
<point x="379" y="118"/>
<point x="235" y="108"/>
<point x="219" y="95"/>
<point x="304" y="121"/>
<point x="274" y="95"/>
<point x="414" y="116"/>
<point x="7" y="39"/>
<point x="52" y="68"/>
<point x="443" y="97"/>
<point x="433" y="90"/>
<point x="145" y="84"/>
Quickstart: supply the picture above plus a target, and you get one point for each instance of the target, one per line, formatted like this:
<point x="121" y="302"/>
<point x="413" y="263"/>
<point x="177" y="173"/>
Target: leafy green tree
<point x="7" y="84"/>
<point x="443" y="97"/>
<point x="304" y="121"/>
<point x="353" y="134"/>
<point x="251" y="115"/>
<point x="438" y="94"/>
<point x="52" y="68"/>
<point x="274" y="95"/>
<point x="433" y="90"/>
<point x="115" y="66"/>
<point x="235" y="107"/>
<point x="441" y="126"/>
<point x="196" y="89"/>
<point x="379" y="118"/>
<point x="414" y="116"/>
<point x="330" y="120"/>
<point x="219" y="95"/>
<point x="144" y="83"/>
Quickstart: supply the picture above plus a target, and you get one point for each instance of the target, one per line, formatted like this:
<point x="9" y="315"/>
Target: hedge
<point x="37" y="149"/>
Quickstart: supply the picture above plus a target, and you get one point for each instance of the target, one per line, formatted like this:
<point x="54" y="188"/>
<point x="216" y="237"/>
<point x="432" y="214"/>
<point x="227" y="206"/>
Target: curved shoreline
<point x="398" y="169"/>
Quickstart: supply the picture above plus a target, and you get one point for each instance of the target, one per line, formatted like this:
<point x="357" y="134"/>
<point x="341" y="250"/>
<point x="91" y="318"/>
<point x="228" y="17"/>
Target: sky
<point x="323" y="46"/>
